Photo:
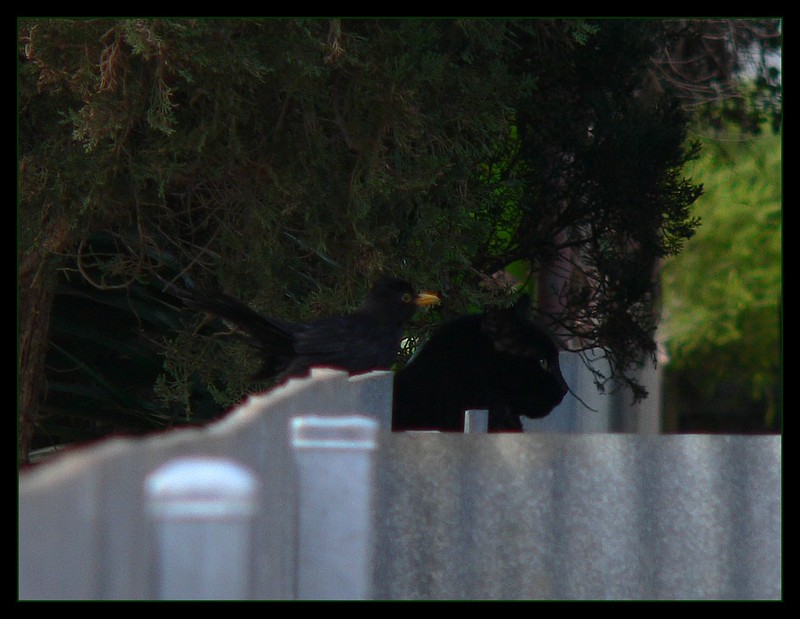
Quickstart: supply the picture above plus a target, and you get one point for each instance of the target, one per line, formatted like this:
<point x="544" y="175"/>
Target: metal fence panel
<point x="587" y="516"/>
<point x="84" y="530"/>
<point x="455" y="516"/>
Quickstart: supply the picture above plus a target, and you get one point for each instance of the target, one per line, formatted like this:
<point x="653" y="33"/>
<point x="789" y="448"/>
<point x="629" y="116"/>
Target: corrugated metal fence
<point x="303" y="493"/>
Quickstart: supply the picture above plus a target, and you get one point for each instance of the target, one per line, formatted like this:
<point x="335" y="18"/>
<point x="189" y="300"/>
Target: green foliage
<point x="286" y="161"/>
<point x="593" y="187"/>
<point x="722" y="295"/>
<point x="290" y="161"/>
<point x="581" y="31"/>
<point x="742" y="89"/>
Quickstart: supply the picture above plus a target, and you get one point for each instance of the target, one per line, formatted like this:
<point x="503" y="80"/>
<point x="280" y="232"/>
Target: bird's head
<point x="396" y="297"/>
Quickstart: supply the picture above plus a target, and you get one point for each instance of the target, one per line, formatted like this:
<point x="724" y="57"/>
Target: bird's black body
<point x="365" y="340"/>
<point x="499" y="360"/>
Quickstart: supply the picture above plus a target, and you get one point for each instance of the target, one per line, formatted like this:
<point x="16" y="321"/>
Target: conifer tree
<point x="289" y="162"/>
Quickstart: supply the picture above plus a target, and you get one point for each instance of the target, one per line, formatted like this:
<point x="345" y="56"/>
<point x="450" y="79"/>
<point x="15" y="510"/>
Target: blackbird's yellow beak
<point x="424" y="299"/>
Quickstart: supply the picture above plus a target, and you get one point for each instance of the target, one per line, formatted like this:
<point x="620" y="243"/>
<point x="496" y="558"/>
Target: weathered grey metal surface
<point x="472" y="516"/>
<point x="83" y="530"/>
<point x="566" y="516"/>
<point x="335" y="459"/>
<point x="202" y="511"/>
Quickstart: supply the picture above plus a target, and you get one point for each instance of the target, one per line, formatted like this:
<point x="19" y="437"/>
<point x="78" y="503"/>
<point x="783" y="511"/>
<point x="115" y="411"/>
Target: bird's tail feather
<point x="273" y="337"/>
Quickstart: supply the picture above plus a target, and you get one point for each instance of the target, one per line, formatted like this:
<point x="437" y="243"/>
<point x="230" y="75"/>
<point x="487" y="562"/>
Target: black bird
<point x="500" y="360"/>
<point x="367" y="339"/>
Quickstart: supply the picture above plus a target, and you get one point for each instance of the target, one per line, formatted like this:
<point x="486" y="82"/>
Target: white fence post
<point x="335" y="529"/>
<point x="476" y="421"/>
<point x="202" y="510"/>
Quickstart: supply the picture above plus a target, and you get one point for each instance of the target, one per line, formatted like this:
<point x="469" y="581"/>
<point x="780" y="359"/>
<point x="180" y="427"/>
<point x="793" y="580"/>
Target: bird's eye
<point x="543" y="364"/>
<point x="407" y="297"/>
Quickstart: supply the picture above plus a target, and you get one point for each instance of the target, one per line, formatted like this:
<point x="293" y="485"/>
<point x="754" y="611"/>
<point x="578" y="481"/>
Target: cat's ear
<point x="511" y="331"/>
<point x="501" y="327"/>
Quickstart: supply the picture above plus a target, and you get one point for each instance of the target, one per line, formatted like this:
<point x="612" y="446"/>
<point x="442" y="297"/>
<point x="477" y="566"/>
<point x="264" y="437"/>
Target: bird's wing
<point x="348" y="342"/>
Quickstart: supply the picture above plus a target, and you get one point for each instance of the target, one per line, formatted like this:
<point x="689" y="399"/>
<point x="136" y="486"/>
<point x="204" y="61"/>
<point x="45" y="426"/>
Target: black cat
<point x="500" y="360"/>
